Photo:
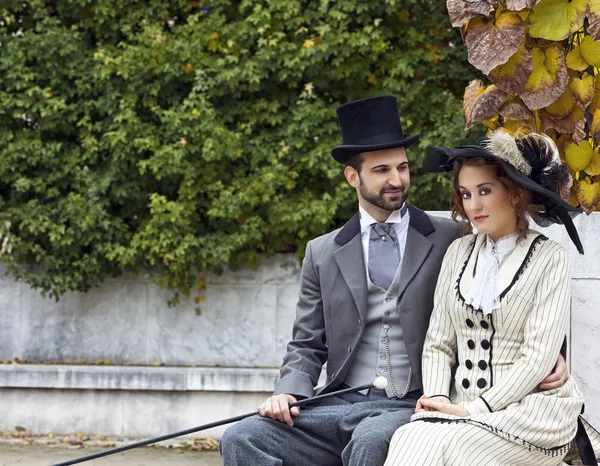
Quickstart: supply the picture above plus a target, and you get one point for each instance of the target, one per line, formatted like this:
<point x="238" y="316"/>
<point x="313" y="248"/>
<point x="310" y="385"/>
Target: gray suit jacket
<point x="333" y="301"/>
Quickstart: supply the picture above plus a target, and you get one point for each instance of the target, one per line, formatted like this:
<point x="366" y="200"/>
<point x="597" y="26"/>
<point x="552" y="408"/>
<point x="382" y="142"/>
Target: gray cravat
<point x="384" y="254"/>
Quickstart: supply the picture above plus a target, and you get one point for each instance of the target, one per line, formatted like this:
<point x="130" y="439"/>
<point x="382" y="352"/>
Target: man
<point x="364" y="304"/>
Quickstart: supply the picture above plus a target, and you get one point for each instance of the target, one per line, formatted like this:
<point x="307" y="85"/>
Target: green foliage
<point x="181" y="136"/>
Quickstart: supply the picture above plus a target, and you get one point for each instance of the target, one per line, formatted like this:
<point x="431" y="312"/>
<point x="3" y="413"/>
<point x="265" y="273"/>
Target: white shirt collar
<point x="366" y="220"/>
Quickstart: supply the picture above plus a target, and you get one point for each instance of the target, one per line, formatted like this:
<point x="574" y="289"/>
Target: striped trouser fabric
<point x="450" y="444"/>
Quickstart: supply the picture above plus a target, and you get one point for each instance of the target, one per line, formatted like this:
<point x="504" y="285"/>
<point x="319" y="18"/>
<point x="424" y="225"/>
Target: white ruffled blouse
<point x="485" y="290"/>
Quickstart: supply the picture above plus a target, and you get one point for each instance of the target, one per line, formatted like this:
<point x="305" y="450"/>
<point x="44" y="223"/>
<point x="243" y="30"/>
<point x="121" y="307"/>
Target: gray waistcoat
<point x="381" y="321"/>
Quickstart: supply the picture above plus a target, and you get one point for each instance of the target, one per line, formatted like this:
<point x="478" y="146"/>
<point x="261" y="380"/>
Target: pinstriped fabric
<point x="429" y="444"/>
<point x="499" y="361"/>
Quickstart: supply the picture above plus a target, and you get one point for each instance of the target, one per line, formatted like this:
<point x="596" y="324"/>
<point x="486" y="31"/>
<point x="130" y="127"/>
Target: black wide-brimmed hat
<point x="368" y="125"/>
<point x="532" y="161"/>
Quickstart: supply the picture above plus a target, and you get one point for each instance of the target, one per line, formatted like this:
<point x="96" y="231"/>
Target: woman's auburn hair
<point x="521" y="196"/>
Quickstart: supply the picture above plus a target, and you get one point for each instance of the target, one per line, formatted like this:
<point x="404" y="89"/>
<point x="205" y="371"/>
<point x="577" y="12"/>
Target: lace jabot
<point x="484" y="292"/>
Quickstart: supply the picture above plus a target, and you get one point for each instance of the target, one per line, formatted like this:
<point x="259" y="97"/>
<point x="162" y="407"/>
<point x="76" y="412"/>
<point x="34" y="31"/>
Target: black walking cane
<point x="379" y="383"/>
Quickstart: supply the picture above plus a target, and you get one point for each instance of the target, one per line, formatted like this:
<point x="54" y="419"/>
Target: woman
<point x="500" y="317"/>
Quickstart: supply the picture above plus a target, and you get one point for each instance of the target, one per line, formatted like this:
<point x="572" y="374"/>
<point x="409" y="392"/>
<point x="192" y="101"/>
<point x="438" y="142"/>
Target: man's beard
<point x="379" y="200"/>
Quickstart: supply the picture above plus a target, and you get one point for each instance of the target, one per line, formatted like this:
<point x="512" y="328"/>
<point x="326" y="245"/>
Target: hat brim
<point x="438" y="159"/>
<point x="341" y="153"/>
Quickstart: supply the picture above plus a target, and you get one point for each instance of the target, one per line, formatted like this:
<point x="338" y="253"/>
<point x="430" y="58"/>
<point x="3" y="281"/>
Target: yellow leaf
<point x="524" y="14"/>
<point x="518" y="128"/>
<point x="561" y="143"/>
<point x="593" y="168"/>
<point x="590" y="51"/>
<point x="593" y="17"/>
<point x="513" y="75"/>
<point x="557" y="19"/>
<point x="578" y="156"/>
<point x="575" y="60"/>
<point x="563" y="106"/>
<point x="595" y="127"/>
<point x="597" y="81"/>
<point x="549" y="77"/>
<point x="372" y="79"/>
<point x="472" y="91"/>
<point x="308" y="43"/>
<point x="491" y="123"/>
<point x="573" y="199"/>
<point x="595" y="103"/>
<point x="488" y="104"/>
<point x="582" y="88"/>
<point x="589" y="194"/>
<point x="491" y="42"/>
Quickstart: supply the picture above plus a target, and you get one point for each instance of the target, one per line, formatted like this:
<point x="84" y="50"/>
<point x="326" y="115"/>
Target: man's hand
<point x="557" y="377"/>
<point x="444" y="407"/>
<point x="278" y="407"/>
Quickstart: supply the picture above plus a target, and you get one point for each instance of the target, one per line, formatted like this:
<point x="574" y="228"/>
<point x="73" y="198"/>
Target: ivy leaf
<point x="491" y="42"/>
<point x="549" y="77"/>
<point x="593" y="168"/>
<point x="593" y="17"/>
<point x="573" y="123"/>
<point x="518" y="5"/>
<point x="461" y="11"/>
<point x="575" y="60"/>
<point x="595" y="103"/>
<point x="512" y="76"/>
<point x="515" y="110"/>
<point x="557" y="19"/>
<point x="488" y="103"/>
<point x="518" y="128"/>
<point x="590" y="51"/>
<point x="595" y="127"/>
<point x="582" y="88"/>
<point x="588" y="194"/>
<point x="472" y="92"/>
<point x="562" y="106"/>
<point x="579" y="155"/>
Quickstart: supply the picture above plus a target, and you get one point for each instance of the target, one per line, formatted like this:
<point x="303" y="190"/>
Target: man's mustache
<point x="390" y="188"/>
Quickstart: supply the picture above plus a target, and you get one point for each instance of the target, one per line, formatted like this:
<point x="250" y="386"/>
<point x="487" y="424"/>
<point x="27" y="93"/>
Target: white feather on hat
<point x="504" y="146"/>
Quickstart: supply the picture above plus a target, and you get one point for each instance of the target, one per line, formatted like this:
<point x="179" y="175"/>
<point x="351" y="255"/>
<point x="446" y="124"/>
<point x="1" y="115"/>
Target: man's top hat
<point x="369" y="125"/>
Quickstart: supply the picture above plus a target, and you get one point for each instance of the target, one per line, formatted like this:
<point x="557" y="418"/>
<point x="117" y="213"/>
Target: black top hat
<point x="530" y="162"/>
<point x="369" y="125"/>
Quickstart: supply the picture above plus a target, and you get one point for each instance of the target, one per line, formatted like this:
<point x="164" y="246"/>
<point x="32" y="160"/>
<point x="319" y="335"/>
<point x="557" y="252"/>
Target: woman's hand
<point x="420" y="407"/>
<point x="443" y="407"/>
<point x="557" y="377"/>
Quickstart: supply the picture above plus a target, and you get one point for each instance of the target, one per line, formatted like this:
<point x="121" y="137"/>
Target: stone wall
<point x="221" y="362"/>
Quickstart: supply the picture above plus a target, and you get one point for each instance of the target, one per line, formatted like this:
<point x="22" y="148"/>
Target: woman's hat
<point x="532" y="161"/>
<point x="368" y="125"/>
